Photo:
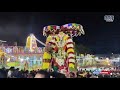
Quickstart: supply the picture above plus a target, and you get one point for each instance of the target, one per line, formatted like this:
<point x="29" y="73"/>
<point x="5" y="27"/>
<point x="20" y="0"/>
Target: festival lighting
<point x="21" y="60"/>
<point x="8" y="60"/>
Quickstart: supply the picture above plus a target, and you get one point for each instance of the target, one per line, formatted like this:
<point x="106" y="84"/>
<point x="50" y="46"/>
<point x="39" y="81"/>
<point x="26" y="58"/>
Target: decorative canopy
<point x="51" y="29"/>
<point x="73" y="29"/>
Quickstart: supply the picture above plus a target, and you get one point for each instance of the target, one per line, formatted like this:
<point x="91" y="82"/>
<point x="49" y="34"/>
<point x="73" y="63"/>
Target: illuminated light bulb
<point x="8" y="60"/>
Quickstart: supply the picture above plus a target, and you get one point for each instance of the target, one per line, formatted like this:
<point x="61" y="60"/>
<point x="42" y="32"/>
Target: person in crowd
<point x="10" y="72"/>
<point x="30" y="76"/>
<point x="60" y="75"/>
<point x="42" y="74"/>
<point x="3" y="74"/>
<point x="16" y="73"/>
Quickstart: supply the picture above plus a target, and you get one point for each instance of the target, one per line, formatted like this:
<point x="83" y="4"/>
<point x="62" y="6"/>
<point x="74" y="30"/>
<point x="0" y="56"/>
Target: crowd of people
<point x="13" y="72"/>
<point x="16" y="73"/>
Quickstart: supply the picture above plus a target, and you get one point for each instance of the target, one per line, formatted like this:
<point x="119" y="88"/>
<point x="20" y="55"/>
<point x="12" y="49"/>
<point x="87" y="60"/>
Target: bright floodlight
<point x="21" y="60"/>
<point x="8" y="60"/>
<point x="96" y="58"/>
<point x="107" y="58"/>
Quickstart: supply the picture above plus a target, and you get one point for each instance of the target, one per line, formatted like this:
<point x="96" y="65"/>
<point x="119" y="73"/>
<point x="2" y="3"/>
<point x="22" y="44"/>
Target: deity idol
<point x="59" y="52"/>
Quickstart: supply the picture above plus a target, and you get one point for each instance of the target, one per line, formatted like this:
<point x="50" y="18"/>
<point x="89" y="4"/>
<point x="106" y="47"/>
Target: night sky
<point x="101" y="36"/>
